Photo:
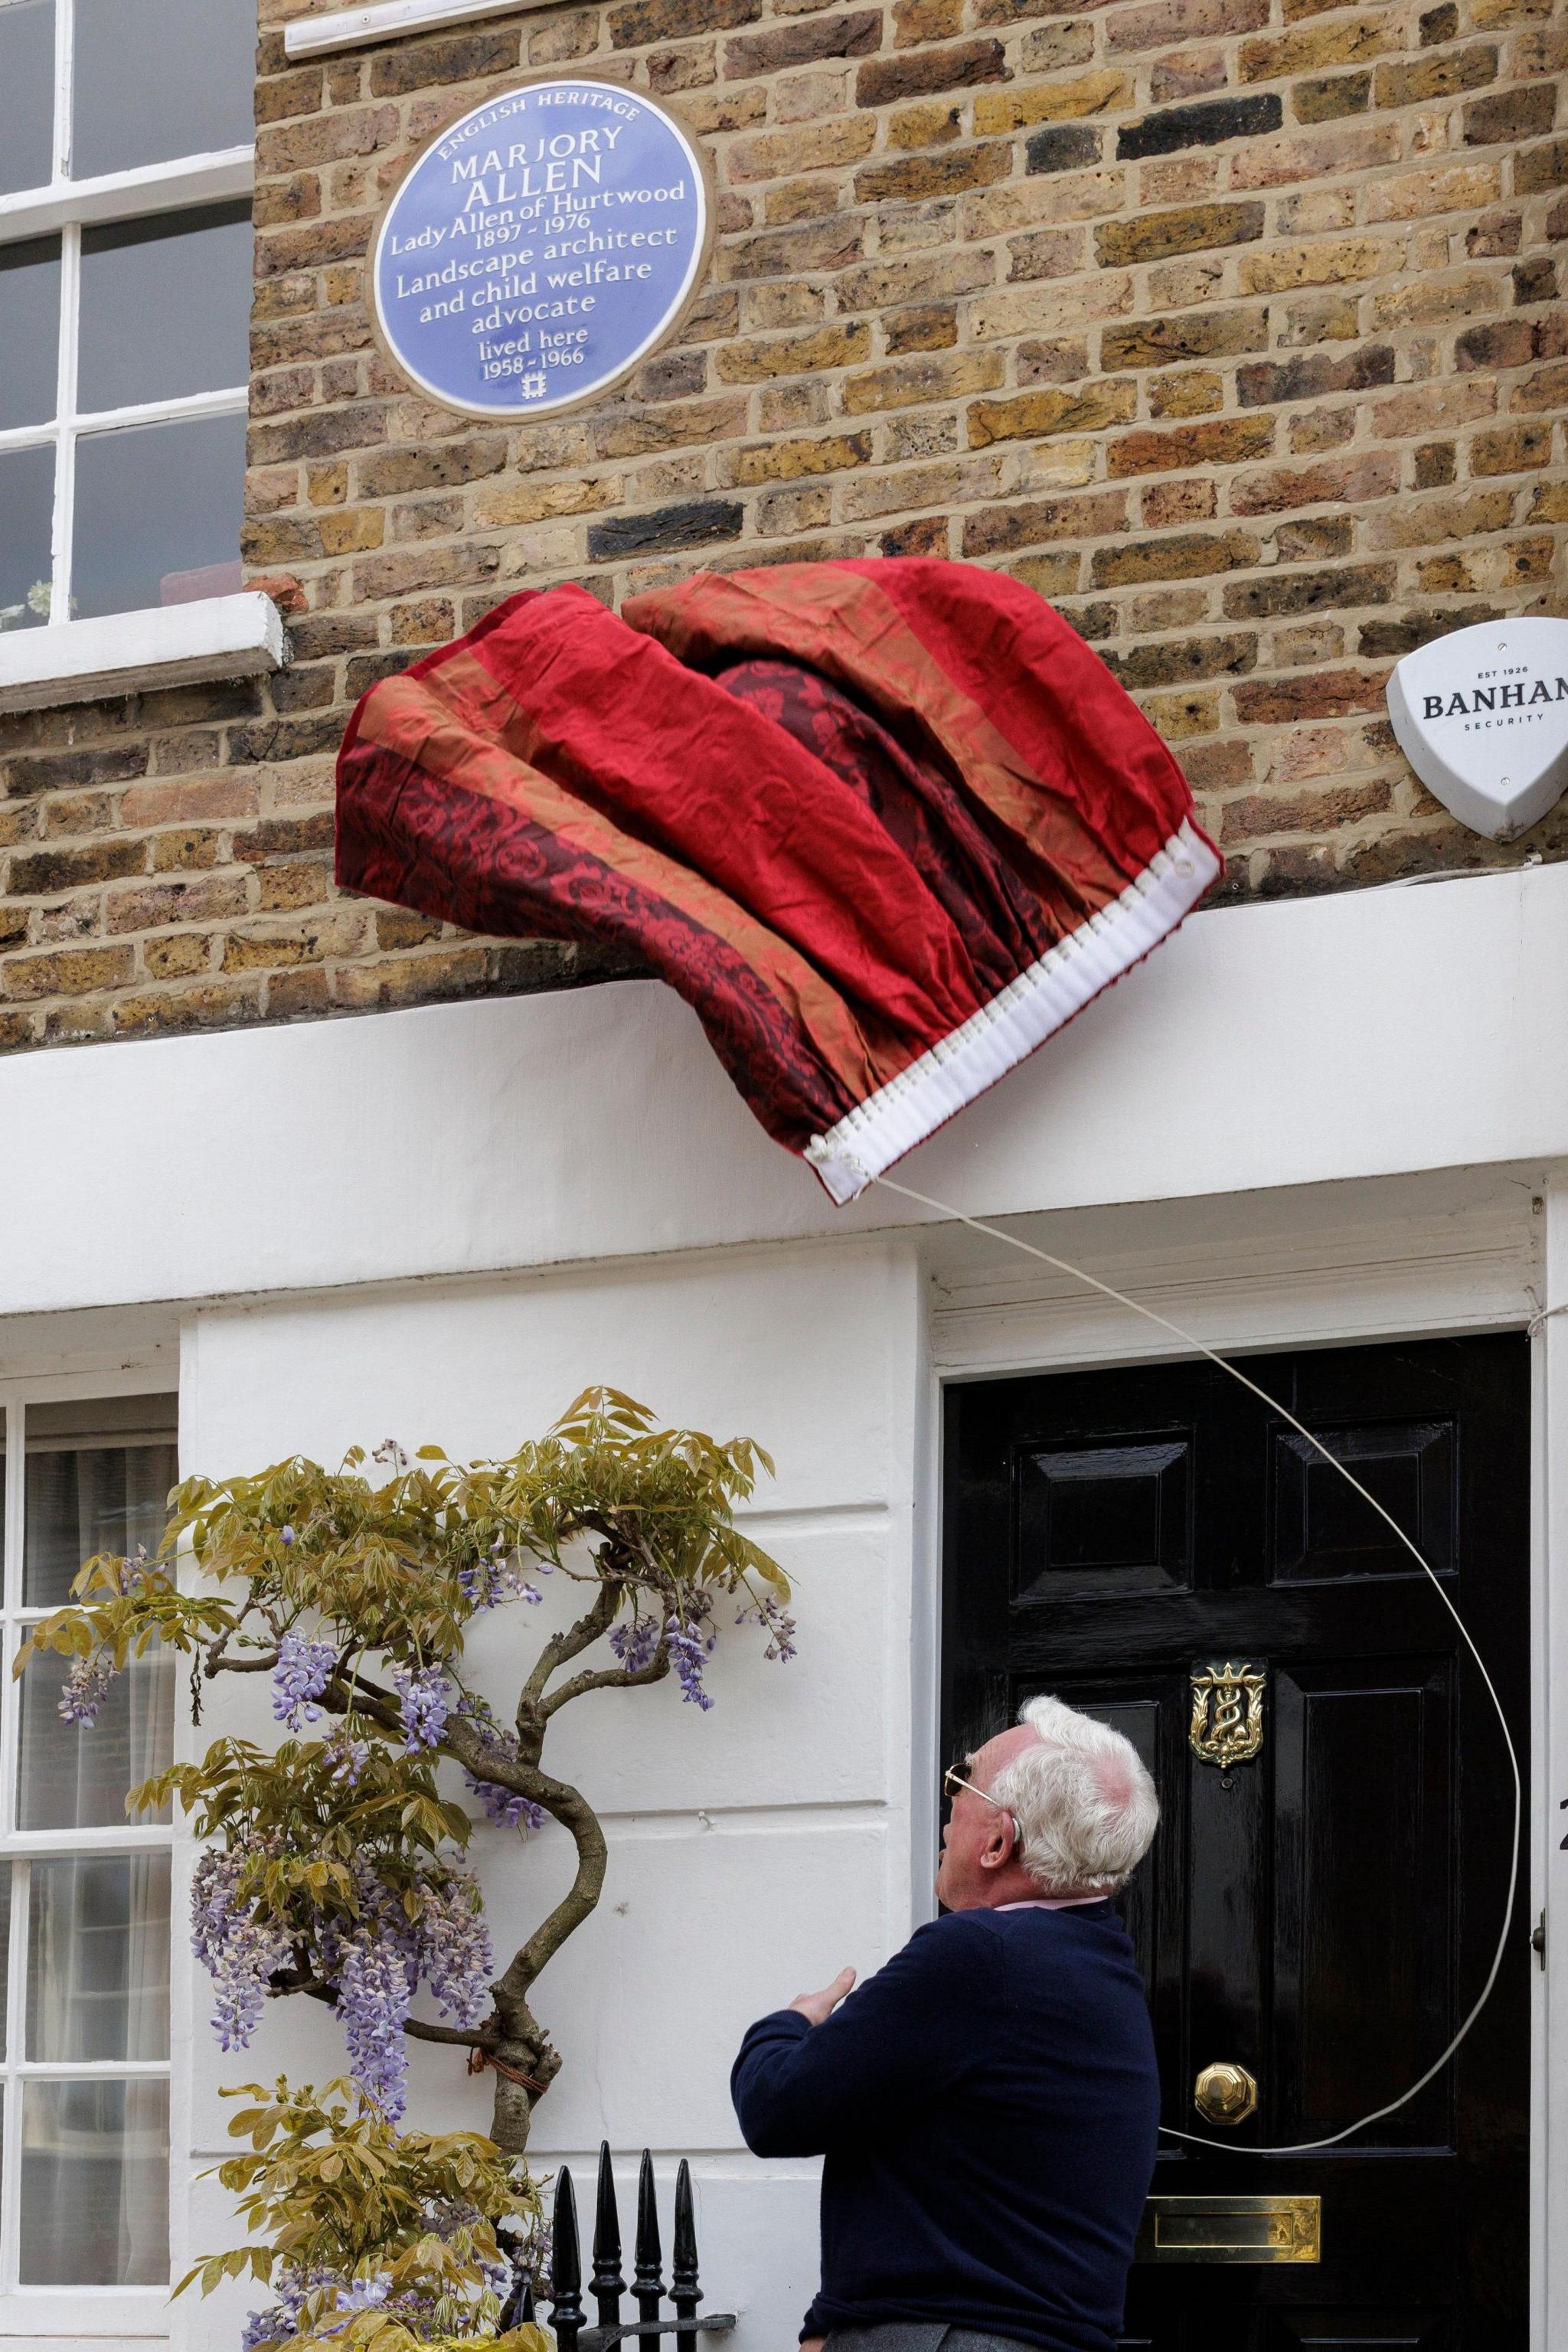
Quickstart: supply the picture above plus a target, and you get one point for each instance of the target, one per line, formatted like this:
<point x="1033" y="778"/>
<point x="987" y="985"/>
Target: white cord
<point x="1108" y="1290"/>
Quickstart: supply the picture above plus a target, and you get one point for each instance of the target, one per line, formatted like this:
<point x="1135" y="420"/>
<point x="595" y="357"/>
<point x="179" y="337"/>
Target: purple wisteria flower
<point x="503" y="1806"/>
<point x="425" y="1697"/>
<point x="634" y="1644"/>
<point x="484" y="1582"/>
<point x="691" y="1641"/>
<point x="496" y="1577"/>
<point x="281" y="2319"/>
<point x="366" y="2295"/>
<point x="376" y="1976"/>
<point x="238" y="1952"/>
<point x="273" y="2325"/>
<point x="776" y="1622"/>
<point x="345" y="1759"/>
<point x="455" y="1949"/>
<point x="376" y="1965"/>
<point x="84" y="1690"/>
<point x="304" y="1669"/>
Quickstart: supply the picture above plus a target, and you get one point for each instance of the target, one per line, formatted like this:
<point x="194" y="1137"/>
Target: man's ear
<point x="1002" y="1843"/>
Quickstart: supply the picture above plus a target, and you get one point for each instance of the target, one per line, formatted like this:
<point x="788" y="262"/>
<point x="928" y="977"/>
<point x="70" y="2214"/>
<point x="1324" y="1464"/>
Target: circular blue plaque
<point x="540" y="248"/>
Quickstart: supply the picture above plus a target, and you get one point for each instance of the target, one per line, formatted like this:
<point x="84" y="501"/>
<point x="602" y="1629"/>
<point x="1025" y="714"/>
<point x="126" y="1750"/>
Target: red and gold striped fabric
<point x="884" y="825"/>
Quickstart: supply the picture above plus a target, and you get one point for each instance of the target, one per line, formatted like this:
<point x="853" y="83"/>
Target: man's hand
<point x="816" y="2007"/>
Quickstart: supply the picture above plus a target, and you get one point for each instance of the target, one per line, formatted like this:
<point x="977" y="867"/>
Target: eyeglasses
<point x="952" y="1780"/>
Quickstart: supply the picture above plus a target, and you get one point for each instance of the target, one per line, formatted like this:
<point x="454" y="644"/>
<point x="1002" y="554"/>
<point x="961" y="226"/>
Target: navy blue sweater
<point x="987" y="2106"/>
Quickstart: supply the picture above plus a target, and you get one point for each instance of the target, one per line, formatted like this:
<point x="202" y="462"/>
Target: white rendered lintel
<point x="128" y="653"/>
<point x="389" y="20"/>
<point x="124" y="195"/>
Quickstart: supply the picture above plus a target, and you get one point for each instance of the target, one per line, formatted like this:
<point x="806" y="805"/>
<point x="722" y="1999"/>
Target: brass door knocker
<point x="1227" y="1713"/>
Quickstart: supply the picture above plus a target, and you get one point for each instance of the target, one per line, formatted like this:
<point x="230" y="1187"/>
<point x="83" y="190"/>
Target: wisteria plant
<point x="333" y="1865"/>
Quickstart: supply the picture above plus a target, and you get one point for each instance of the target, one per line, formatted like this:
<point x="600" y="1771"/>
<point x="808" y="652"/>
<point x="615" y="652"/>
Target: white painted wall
<point x="752" y="1849"/>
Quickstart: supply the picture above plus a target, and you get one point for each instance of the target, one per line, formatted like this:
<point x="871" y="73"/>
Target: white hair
<point x="1084" y="1804"/>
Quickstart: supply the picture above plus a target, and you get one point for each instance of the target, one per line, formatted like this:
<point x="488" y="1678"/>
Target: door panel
<point x="1321" y="1912"/>
<point x="1322" y="1528"/>
<point x="1362" y="1803"/>
<point x="1096" y="1520"/>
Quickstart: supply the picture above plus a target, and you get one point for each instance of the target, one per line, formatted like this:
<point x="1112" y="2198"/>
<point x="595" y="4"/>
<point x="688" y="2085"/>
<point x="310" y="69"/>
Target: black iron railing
<point x="606" y="2285"/>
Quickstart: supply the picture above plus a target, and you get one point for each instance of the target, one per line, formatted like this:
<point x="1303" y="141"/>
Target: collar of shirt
<point x="1051" y="1902"/>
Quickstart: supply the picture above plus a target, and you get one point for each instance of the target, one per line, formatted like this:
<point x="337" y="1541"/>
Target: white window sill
<point x="112" y="2315"/>
<point x="388" y="20"/>
<point x="129" y="652"/>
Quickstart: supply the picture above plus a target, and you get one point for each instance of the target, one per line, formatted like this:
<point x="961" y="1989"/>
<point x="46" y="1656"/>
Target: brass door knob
<point x="1225" y="2094"/>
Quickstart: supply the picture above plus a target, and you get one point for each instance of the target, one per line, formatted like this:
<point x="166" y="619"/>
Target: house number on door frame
<point x="1227" y="1713"/>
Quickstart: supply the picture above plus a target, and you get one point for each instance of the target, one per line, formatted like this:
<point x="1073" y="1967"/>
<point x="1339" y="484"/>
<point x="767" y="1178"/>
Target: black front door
<point x="1157" y="1547"/>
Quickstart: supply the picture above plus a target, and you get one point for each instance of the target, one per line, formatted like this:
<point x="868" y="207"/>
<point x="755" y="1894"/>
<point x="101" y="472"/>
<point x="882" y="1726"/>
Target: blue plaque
<point x="540" y="248"/>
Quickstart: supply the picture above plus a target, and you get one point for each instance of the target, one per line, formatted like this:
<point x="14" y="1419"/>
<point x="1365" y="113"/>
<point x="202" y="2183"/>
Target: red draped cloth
<point x="884" y="825"/>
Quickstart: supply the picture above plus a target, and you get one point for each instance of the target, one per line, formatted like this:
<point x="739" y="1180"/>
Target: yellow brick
<point x="1051" y="101"/>
<point x="905" y="383"/>
<point x="1423" y="522"/>
<point x="347" y="529"/>
<point x="1036" y="415"/>
<point x="1048" y="308"/>
<point x="1178" y="715"/>
<point x="1191" y="391"/>
<point x="1426" y="302"/>
<point x="829" y="347"/>
<point x="1318" y="265"/>
<point x="777" y="154"/>
<point x="934" y="124"/>
<point x="787" y="461"/>
<point x="1072" y="196"/>
<point x="1549" y="503"/>
<point x="1313" y="46"/>
<point x="514" y="502"/>
<point x="1488" y="570"/>
<point x="1456" y="189"/>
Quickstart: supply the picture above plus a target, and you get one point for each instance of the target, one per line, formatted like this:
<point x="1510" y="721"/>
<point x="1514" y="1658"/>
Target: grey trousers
<point x="919" y="2336"/>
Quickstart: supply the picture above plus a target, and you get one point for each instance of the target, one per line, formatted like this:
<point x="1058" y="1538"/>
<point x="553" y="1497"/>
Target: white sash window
<point x="84" y="1892"/>
<point x="125" y="275"/>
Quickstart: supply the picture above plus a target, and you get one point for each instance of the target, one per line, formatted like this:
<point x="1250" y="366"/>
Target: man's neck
<point x="1012" y="1884"/>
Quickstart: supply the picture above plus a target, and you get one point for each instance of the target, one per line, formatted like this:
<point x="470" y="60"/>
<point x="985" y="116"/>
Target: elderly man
<point x="986" y="2103"/>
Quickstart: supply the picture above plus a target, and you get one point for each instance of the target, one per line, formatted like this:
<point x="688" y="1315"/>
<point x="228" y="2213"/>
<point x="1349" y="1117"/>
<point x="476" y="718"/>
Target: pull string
<point x="1189" y="1338"/>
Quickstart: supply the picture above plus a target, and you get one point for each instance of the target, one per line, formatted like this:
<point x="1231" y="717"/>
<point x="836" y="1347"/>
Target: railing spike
<point x="647" y="2280"/>
<point x="607" y="2283"/>
<point x="683" y="2288"/>
<point x="566" y="2314"/>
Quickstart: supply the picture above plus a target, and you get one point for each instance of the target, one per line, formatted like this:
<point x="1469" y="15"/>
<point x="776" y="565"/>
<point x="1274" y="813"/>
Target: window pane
<point x="5" y="1946"/>
<point x="95" y="2184"/>
<point x="90" y="1499"/>
<point x="156" y="79"/>
<point x="165" y="307"/>
<point x="27" y="94"/>
<point x="154" y="504"/>
<point x="26" y="519"/>
<point x="29" y="327"/>
<point x="70" y="1777"/>
<point x="98" y="1958"/>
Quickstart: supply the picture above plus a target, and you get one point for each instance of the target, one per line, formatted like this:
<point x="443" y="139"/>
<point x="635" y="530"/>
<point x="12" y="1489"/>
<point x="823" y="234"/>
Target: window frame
<point x="66" y="206"/>
<point x="111" y="2313"/>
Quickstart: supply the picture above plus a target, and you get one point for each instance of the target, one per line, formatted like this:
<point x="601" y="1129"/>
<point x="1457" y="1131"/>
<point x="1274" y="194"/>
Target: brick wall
<point x="1229" y="325"/>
